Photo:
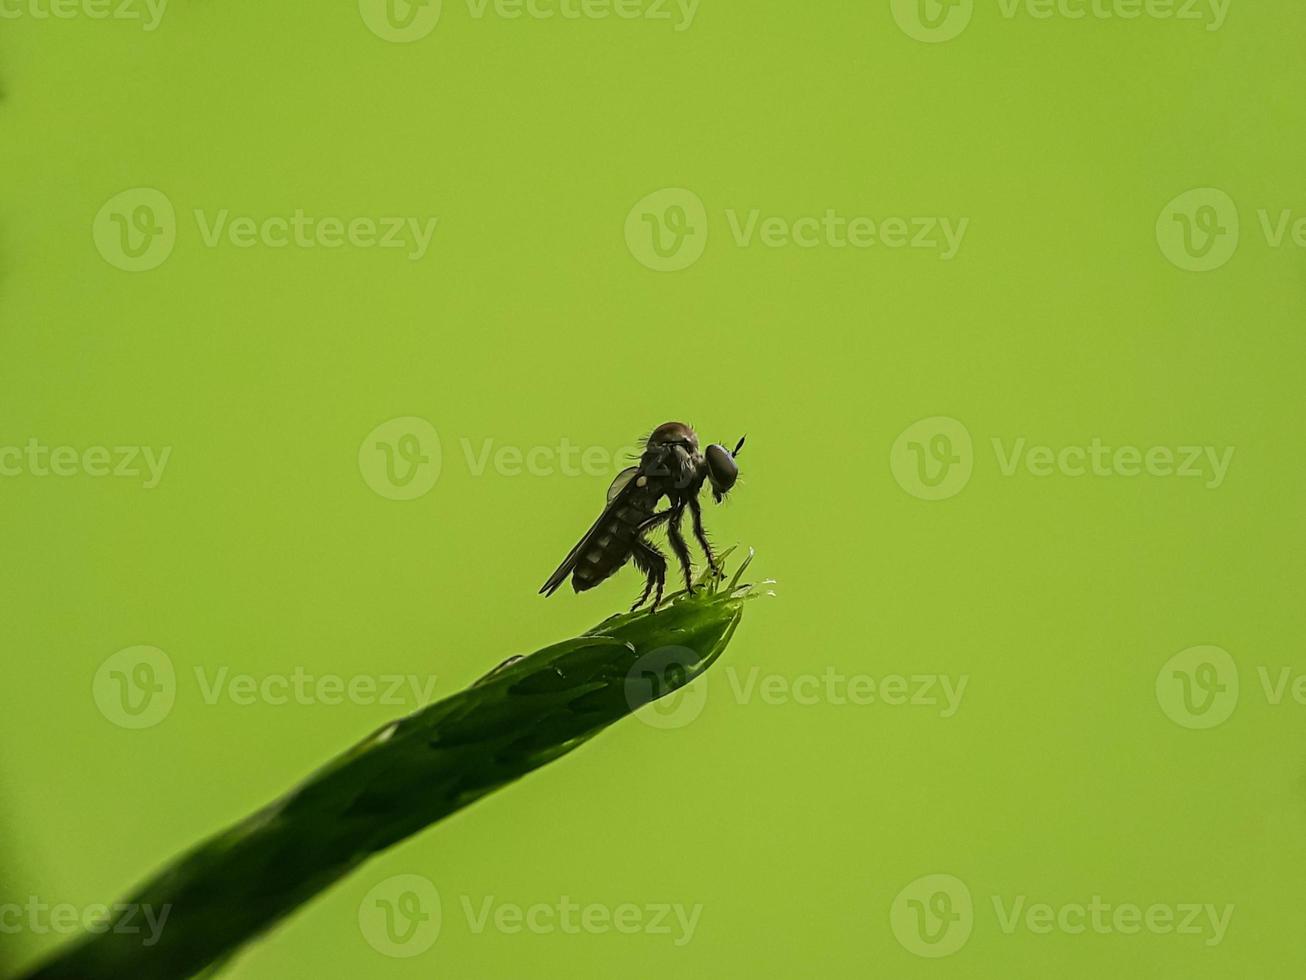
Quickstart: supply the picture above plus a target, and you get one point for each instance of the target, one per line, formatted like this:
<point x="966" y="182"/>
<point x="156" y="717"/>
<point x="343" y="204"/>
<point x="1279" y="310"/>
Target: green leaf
<point x="405" y="777"/>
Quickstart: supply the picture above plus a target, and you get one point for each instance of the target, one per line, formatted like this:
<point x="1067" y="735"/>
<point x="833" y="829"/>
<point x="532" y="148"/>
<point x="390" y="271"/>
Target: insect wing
<point x="616" y="493"/>
<point x="619" y="484"/>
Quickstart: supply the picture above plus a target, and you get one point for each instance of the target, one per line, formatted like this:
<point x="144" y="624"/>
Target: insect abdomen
<point x="613" y="544"/>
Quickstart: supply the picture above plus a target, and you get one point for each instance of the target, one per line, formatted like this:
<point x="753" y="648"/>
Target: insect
<point x="671" y="466"/>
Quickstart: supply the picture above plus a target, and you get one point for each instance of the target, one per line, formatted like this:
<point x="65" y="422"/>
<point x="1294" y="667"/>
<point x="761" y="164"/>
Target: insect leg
<point x="652" y="563"/>
<point x="654" y="521"/>
<point x="701" y="534"/>
<point x="679" y="547"/>
<point x="643" y="596"/>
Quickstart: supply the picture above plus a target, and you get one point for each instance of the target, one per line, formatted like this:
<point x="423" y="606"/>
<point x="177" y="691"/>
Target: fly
<point x="671" y="466"/>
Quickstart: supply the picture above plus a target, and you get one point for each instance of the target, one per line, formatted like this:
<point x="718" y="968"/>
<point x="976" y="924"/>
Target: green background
<point x="530" y="320"/>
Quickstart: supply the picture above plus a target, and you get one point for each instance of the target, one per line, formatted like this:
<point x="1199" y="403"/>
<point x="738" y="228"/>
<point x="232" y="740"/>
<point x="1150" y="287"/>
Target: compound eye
<point x="721" y="468"/>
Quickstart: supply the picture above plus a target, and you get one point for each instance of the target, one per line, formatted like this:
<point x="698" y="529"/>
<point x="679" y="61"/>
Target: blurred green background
<point x="1075" y="764"/>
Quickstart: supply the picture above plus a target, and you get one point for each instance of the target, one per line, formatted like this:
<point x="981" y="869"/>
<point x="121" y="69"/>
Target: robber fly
<point x="672" y="467"/>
